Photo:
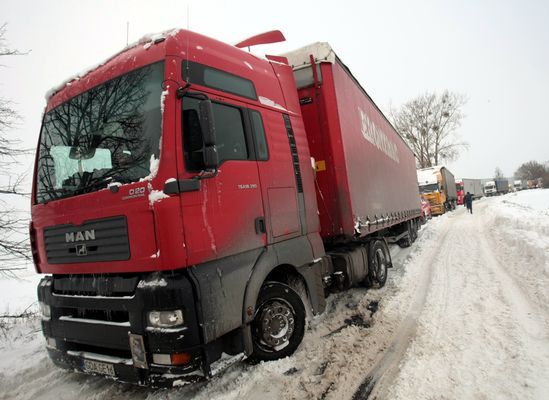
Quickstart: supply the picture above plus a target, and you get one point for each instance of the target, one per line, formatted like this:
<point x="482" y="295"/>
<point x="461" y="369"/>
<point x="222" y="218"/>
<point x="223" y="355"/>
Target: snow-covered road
<point x="465" y="314"/>
<point x="483" y="333"/>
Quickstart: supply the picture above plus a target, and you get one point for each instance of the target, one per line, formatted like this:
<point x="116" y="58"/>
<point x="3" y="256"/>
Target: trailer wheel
<point x="407" y="241"/>
<point x="378" y="263"/>
<point x="279" y="323"/>
<point x="413" y="229"/>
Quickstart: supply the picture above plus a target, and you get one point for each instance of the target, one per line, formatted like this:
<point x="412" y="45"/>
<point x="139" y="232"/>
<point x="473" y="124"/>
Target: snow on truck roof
<point x="300" y="58"/>
<point x="146" y="41"/>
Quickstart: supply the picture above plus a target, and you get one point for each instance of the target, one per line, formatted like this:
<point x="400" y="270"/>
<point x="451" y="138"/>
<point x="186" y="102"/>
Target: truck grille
<point x="97" y="240"/>
<point x="95" y="285"/>
<point x="76" y="314"/>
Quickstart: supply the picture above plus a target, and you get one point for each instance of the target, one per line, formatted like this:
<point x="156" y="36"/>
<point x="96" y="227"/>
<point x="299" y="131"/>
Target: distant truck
<point x="496" y="187"/>
<point x="534" y="183"/>
<point x="520" y="184"/>
<point x="438" y="186"/>
<point x="473" y="186"/>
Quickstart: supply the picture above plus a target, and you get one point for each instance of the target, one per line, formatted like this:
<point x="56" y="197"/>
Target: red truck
<point x="179" y="217"/>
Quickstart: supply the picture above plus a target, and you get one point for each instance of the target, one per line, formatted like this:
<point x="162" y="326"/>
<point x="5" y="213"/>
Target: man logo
<point x="81" y="250"/>
<point x="80" y="236"/>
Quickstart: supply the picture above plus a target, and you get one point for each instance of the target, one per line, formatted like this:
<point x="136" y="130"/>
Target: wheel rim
<point x="276" y="320"/>
<point x="381" y="267"/>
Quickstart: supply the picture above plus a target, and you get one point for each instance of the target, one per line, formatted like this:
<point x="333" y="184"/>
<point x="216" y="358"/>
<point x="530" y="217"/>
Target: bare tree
<point x="533" y="170"/>
<point x="530" y="170"/>
<point x="429" y="124"/>
<point x="14" y="247"/>
<point x="498" y="173"/>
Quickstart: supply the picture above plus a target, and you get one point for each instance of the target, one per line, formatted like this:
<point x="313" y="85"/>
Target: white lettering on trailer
<point x="377" y="137"/>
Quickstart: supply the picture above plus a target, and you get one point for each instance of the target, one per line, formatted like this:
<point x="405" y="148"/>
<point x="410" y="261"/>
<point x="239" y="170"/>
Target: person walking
<point x="468" y="200"/>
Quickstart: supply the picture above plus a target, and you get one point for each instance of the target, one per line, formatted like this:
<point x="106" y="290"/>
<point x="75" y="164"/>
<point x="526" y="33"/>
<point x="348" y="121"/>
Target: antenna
<point x="187" y="55"/>
<point x="188" y="18"/>
<point x="127" y="33"/>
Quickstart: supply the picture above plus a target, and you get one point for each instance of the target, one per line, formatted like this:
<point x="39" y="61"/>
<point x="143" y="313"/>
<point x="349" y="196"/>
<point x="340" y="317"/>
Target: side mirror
<point x="211" y="159"/>
<point x="207" y="123"/>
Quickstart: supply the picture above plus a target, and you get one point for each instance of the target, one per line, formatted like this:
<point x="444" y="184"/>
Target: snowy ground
<point x="465" y="314"/>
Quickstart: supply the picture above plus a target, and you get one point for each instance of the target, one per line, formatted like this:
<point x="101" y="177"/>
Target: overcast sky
<point x="494" y="52"/>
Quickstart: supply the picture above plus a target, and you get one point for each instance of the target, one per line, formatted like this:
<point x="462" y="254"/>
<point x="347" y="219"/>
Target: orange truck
<point x="438" y="186"/>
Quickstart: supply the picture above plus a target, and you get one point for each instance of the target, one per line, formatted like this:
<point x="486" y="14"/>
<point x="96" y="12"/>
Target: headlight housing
<point x="165" y="319"/>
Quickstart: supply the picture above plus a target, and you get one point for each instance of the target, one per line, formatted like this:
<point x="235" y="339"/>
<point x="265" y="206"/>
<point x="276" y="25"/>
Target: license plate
<point x="99" y="367"/>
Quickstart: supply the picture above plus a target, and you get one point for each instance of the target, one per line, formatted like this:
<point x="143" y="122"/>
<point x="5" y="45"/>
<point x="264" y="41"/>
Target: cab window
<point x="230" y="135"/>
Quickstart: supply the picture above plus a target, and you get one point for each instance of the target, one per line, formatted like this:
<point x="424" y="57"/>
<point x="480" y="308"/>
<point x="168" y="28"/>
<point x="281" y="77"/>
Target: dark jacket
<point x="468" y="199"/>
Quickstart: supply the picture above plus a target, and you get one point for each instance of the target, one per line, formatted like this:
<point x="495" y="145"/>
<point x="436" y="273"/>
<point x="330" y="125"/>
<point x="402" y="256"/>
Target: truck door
<point x="225" y="216"/>
<point x="280" y="177"/>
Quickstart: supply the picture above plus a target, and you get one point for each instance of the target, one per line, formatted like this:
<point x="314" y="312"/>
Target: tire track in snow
<point x="385" y="368"/>
<point x="484" y="342"/>
<point x="334" y="355"/>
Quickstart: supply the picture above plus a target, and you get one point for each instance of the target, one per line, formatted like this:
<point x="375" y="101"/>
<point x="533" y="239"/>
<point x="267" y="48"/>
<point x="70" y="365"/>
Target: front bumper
<point x="437" y="209"/>
<point x="93" y="316"/>
<point x="124" y="371"/>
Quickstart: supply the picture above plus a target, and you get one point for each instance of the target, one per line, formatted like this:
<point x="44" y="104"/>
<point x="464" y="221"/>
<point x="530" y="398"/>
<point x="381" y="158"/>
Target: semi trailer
<point x="496" y="187"/>
<point x="193" y="201"/>
<point x="473" y="186"/>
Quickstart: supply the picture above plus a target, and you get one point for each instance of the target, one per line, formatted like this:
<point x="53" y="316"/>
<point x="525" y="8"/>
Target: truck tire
<point x="414" y="228"/>
<point x="378" y="263"/>
<point x="279" y="323"/>
<point x="406" y="241"/>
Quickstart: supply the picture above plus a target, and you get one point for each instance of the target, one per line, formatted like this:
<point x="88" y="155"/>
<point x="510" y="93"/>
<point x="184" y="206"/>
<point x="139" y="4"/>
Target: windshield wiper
<point x="53" y="194"/>
<point x="90" y="186"/>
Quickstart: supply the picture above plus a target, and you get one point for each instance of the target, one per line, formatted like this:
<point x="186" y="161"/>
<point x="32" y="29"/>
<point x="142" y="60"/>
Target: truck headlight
<point x="45" y="310"/>
<point x="165" y="319"/>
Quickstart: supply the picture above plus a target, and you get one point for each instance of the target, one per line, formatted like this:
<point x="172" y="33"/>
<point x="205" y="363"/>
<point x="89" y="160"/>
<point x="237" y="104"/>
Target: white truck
<point x="520" y="184"/>
<point x="496" y="187"/>
<point x="473" y="186"/>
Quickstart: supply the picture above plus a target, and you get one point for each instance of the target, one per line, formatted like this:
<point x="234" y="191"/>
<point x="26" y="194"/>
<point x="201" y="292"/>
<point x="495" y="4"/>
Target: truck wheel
<point x="279" y="323"/>
<point x="378" y="262"/>
<point x="406" y="241"/>
<point x="414" y="229"/>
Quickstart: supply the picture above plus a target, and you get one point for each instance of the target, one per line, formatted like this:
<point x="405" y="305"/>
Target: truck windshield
<point x="108" y="134"/>
<point x="428" y="188"/>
